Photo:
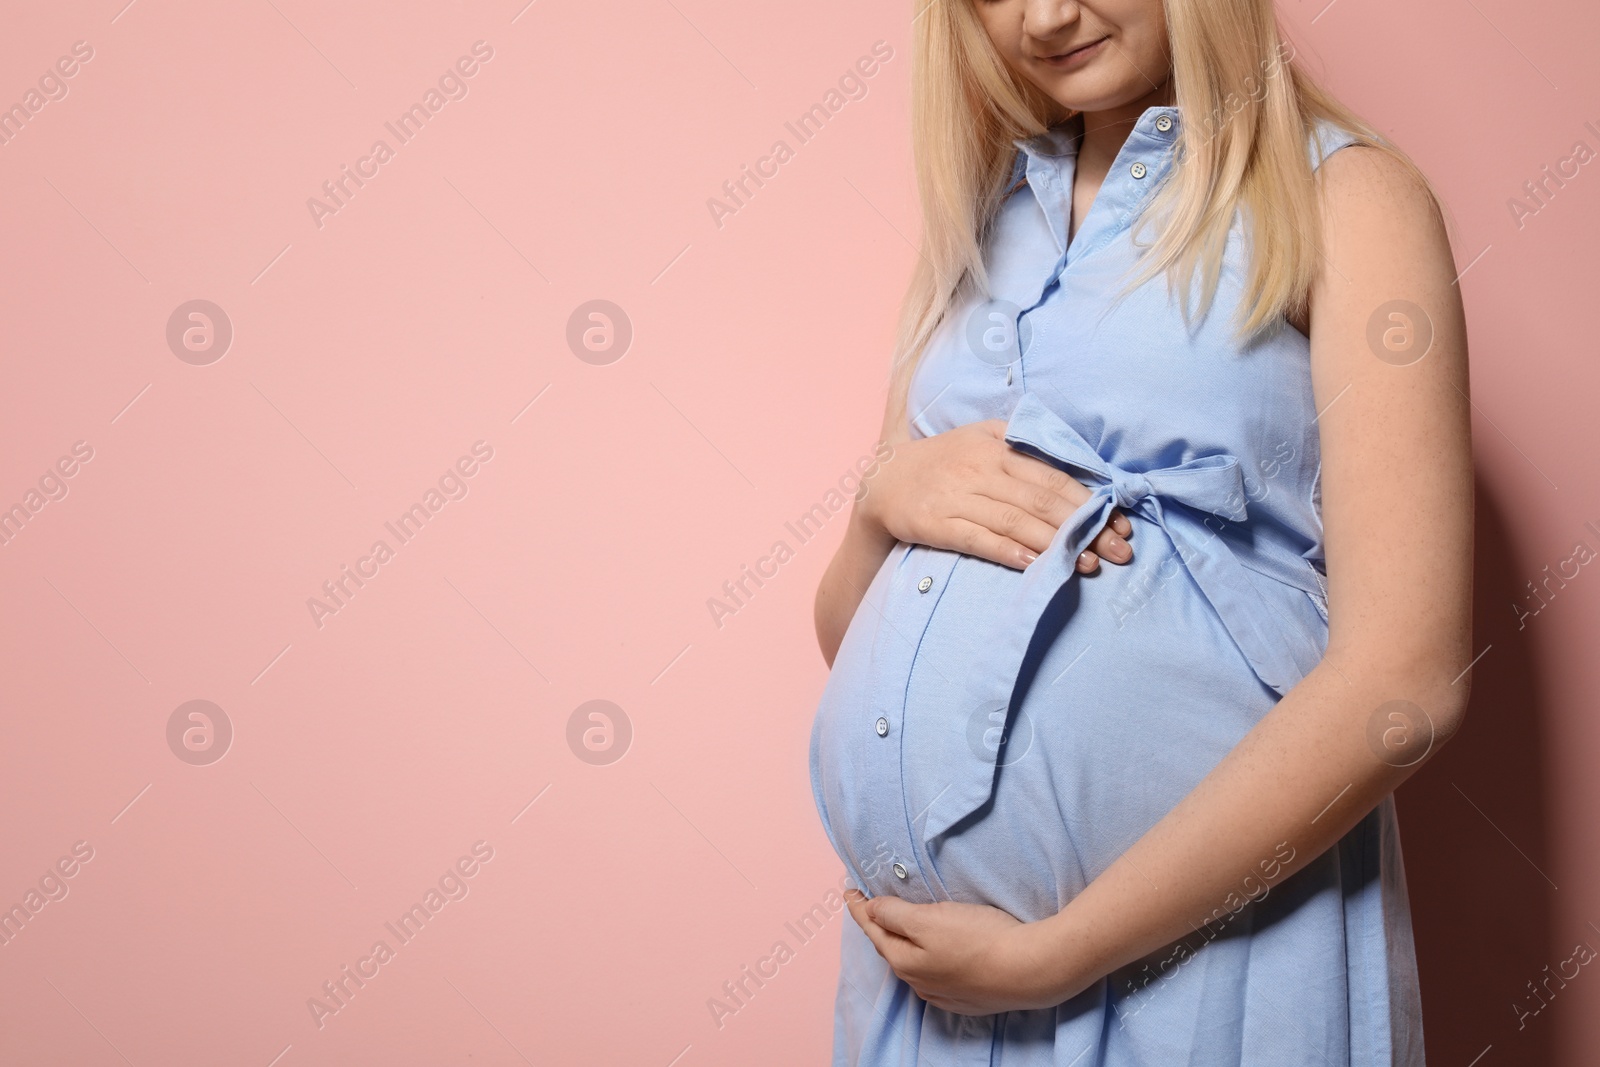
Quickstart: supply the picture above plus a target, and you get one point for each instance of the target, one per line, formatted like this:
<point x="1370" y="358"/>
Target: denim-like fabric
<point x="1001" y="737"/>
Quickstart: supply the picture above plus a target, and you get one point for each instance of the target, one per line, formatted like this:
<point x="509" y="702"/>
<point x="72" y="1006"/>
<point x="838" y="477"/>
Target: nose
<point x="1043" y="19"/>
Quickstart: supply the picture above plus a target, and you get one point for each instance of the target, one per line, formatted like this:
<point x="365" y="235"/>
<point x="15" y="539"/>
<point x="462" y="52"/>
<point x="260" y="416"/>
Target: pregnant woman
<point x="1167" y="583"/>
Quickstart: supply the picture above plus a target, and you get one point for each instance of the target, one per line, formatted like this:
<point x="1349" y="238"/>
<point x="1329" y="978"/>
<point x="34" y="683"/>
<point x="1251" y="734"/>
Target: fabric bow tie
<point x="1279" y="649"/>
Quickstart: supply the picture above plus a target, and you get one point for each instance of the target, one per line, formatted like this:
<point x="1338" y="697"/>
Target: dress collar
<point x="1062" y="140"/>
<point x="1045" y="162"/>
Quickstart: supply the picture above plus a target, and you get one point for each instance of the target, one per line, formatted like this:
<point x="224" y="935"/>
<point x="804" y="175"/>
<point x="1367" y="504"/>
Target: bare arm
<point x="1395" y="440"/>
<point x="866" y="544"/>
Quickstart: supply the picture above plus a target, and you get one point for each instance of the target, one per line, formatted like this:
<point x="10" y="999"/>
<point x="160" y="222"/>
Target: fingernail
<point x="1028" y="557"/>
<point x="1119" y="549"/>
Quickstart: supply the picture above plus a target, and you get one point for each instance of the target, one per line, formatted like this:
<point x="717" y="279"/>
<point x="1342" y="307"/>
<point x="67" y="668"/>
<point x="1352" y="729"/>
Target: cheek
<point x="1003" y="25"/>
<point x="1150" y="32"/>
<point x="1139" y="25"/>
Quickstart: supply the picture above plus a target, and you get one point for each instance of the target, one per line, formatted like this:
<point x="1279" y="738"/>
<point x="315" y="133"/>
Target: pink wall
<point x="373" y="747"/>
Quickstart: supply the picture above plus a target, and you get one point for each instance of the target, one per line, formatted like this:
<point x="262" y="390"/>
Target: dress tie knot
<point x="1128" y="488"/>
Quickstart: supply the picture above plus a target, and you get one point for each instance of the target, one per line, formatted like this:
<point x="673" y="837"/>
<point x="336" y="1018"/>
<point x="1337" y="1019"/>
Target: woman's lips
<point x="1077" y="57"/>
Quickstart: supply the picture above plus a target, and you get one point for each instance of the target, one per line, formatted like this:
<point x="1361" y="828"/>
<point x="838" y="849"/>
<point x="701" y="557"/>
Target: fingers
<point x="1109" y="545"/>
<point x="894" y="915"/>
<point x="857" y="902"/>
<point x="974" y="539"/>
<point x="1039" y="490"/>
<point x="1011" y="514"/>
<point x="1037" y="474"/>
<point x="892" y="946"/>
<point x="1015" y="520"/>
<point x="869" y="915"/>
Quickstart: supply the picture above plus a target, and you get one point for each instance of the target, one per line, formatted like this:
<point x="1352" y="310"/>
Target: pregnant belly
<point x="1132" y="692"/>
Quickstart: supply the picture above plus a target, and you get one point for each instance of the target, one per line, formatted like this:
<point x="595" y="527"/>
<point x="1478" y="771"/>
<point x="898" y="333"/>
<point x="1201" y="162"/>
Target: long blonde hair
<point x="1247" y="108"/>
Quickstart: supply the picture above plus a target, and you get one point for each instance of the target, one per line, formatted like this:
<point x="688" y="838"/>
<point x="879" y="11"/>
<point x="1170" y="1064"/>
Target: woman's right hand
<point x="968" y="491"/>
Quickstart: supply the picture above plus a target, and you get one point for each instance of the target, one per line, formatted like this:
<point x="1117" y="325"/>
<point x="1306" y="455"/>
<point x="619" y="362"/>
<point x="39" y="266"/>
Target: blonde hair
<point x="1247" y="107"/>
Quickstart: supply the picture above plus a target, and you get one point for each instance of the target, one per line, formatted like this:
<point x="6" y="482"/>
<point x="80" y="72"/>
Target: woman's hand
<point x="968" y="491"/>
<point x="965" y="958"/>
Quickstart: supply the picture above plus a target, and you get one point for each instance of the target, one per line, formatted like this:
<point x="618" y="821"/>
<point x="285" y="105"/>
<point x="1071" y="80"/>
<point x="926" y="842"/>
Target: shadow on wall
<point x="1474" y="833"/>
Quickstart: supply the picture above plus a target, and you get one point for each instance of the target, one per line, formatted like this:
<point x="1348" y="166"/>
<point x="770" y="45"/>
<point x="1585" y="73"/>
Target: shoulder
<point x="1371" y="197"/>
<point x="1380" y="222"/>
<point x="1361" y="170"/>
<point x="1348" y="163"/>
<point x="1384" y="242"/>
<point x="1325" y="137"/>
<point x="1350" y="167"/>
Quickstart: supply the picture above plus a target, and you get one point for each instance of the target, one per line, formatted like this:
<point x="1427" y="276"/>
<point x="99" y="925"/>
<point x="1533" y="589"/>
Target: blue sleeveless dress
<point x="1001" y="737"/>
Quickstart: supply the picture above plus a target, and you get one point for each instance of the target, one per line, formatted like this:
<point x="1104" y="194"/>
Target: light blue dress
<point x="1001" y="737"/>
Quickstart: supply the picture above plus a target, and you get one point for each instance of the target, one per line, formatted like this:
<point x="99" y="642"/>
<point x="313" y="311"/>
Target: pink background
<point x="372" y="752"/>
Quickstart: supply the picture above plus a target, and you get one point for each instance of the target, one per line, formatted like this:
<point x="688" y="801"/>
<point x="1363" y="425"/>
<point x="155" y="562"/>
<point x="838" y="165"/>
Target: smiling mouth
<point x="1081" y="48"/>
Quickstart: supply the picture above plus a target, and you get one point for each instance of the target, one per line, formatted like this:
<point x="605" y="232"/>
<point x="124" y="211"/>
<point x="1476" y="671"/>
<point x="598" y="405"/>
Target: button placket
<point x="919" y="879"/>
<point x="1139" y="164"/>
<point x="1054" y="194"/>
<point x="896" y="649"/>
<point x="1048" y="163"/>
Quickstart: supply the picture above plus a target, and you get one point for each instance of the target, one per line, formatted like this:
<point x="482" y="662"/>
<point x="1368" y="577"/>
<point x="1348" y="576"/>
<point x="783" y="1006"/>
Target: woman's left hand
<point x="965" y="958"/>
